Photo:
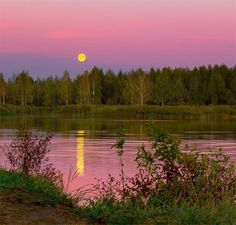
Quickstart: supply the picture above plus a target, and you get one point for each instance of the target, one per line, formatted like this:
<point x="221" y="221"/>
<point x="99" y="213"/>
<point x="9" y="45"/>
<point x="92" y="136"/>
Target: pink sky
<point x="45" y="36"/>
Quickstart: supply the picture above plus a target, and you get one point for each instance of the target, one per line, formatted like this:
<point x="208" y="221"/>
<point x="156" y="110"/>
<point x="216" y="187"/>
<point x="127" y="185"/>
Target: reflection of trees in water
<point x="97" y="127"/>
<point x="15" y="122"/>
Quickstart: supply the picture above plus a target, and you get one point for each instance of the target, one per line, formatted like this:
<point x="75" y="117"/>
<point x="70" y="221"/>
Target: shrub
<point x="187" y="175"/>
<point x="167" y="175"/>
<point x="28" y="154"/>
<point x="170" y="187"/>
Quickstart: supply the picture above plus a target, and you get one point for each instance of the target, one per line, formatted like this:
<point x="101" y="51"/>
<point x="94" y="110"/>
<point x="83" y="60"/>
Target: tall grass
<point x="35" y="185"/>
<point x="8" y="110"/>
<point x="128" y="111"/>
<point x="181" y="213"/>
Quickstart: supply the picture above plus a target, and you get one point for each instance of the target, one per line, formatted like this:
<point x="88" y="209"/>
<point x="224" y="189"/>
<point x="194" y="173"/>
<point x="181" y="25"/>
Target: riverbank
<point x="30" y="200"/>
<point x="210" y="112"/>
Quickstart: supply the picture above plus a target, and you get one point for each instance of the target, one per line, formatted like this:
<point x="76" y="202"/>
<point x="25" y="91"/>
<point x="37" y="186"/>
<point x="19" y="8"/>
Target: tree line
<point x="200" y="85"/>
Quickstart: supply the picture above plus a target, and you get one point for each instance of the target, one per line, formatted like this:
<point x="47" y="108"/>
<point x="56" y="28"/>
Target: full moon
<point x="81" y="57"/>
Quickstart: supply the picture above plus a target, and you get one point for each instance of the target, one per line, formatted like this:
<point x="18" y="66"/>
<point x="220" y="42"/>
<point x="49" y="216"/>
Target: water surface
<point x="85" y="143"/>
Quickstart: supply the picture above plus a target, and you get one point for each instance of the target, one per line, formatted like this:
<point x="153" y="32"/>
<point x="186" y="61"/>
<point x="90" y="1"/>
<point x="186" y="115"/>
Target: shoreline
<point x="210" y="112"/>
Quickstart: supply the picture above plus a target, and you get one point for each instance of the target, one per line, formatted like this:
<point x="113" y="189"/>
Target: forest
<point x="211" y="85"/>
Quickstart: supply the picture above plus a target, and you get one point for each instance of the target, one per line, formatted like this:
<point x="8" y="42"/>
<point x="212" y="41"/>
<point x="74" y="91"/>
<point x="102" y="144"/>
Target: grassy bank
<point x="34" y="110"/>
<point x="52" y="194"/>
<point x="32" y="200"/>
<point x="120" y="111"/>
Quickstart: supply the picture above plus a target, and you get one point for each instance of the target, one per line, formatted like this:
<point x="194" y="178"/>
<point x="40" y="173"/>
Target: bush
<point x="167" y="175"/>
<point x="28" y="154"/>
<point x="170" y="187"/>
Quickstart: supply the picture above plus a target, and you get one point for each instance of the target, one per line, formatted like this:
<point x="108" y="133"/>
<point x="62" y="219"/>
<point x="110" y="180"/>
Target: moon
<point x="81" y="57"/>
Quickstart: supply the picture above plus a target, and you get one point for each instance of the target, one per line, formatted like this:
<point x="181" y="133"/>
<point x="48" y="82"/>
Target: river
<point x="84" y="144"/>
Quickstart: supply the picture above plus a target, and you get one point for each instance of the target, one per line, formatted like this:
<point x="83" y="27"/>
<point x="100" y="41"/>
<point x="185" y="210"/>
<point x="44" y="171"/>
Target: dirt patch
<point x="20" y="208"/>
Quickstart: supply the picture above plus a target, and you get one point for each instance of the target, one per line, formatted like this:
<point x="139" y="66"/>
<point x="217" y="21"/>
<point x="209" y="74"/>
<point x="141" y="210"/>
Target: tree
<point x="95" y="78"/>
<point x="122" y="84"/>
<point x="232" y="85"/>
<point x="110" y="89"/>
<point x="24" y="85"/>
<point x="51" y="92"/>
<point x="201" y="85"/>
<point x="221" y="89"/>
<point x="12" y="91"/>
<point x="143" y="87"/>
<point x="216" y="89"/>
<point x="3" y="86"/>
<point x="65" y="88"/>
<point x="38" y="92"/>
<point x="84" y="92"/>
<point x="194" y="88"/>
<point x="162" y="89"/>
<point x="179" y="91"/>
<point x="129" y="90"/>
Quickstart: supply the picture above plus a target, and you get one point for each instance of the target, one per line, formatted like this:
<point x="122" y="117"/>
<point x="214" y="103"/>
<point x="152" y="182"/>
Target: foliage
<point x="186" y="112"/>
<point x="202" y="85"/>
<point x="162" y="88"/>
<point x="181" y="213"/>
<point x="24" y="88"/>
<point x="65" y="88"/>
<point x="36" y="185"/>
<point x="2" y="90"/>
<point x="28" y="154"/>
<point x="168" y="179"/>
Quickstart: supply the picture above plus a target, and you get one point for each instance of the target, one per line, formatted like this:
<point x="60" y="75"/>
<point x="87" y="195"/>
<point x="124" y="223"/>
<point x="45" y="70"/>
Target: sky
<point x="45" y="36"/>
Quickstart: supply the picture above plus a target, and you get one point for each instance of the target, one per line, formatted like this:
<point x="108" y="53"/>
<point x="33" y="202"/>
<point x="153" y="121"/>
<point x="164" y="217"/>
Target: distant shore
<point x="211" y="112"/>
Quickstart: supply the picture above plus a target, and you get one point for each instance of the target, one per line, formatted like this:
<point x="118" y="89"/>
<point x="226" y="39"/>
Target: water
<point x="85" y="144"/>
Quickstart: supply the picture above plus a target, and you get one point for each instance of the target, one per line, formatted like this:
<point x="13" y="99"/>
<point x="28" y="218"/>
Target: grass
<point x="44" y="194"/>
<point x="34" y="110"/>
<point x="181" y="213"/>
<point x="223" y="213"/>
<point x="34" y="185"/>
<point x="129" y="111"/>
